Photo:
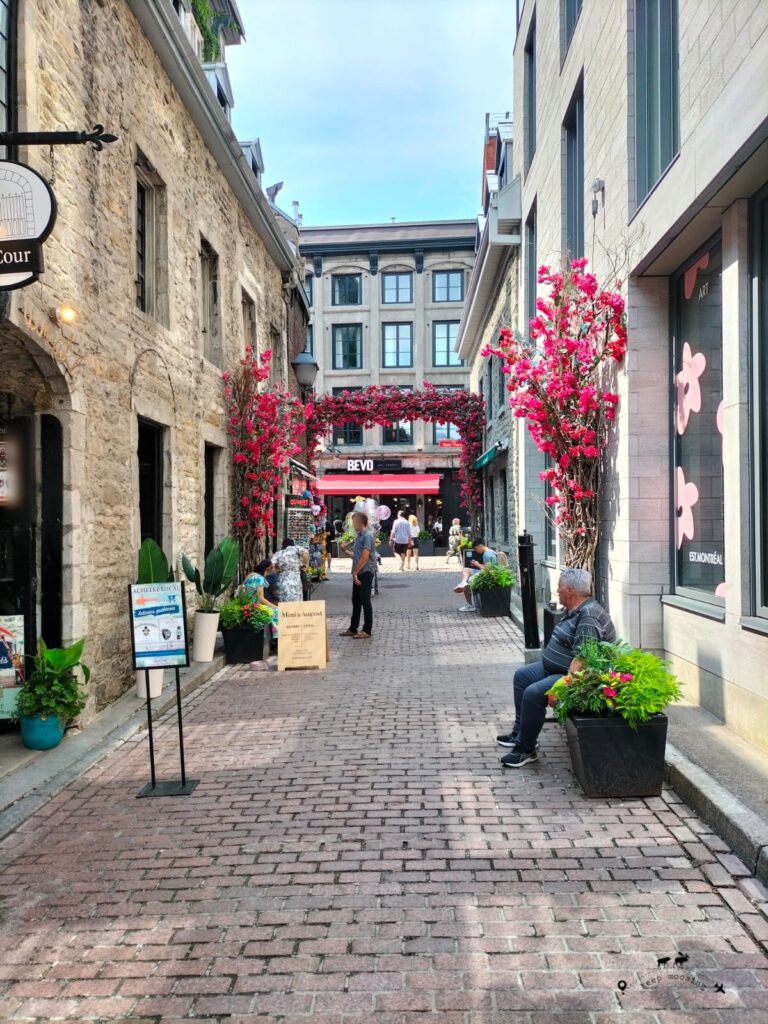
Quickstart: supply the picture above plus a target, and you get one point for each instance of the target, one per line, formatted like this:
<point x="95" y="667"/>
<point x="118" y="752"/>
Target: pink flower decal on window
<point x="721" y="589"/>
<point x="689" y="281"/>
<point x="688" y="387"/>
<point x="687" y="494"/>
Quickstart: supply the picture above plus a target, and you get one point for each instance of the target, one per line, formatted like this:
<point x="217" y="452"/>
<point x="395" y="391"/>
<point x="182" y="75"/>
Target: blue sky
<point x="372" y="109"/>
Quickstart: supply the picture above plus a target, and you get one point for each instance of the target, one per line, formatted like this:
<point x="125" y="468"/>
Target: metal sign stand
<point x="155" y="788"/>
<point x="163" y="658"/>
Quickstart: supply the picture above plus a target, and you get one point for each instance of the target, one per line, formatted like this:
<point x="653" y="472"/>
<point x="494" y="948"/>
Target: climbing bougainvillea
<point x="266" y="423"/>
<point x="557" y="384"/>
<point x="383" y="406"/>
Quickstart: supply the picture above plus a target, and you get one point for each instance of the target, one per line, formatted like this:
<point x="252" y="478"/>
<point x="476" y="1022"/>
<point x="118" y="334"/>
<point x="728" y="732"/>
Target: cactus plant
<point x="220" y="567"/>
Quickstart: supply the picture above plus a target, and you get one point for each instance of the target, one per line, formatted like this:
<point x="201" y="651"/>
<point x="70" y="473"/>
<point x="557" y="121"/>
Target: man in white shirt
<point x="400" y="537"/>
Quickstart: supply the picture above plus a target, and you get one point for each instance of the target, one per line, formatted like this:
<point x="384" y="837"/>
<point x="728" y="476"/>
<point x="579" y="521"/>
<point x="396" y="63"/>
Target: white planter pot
<point x="206" y="628"/>
<point x="155" y="683"/>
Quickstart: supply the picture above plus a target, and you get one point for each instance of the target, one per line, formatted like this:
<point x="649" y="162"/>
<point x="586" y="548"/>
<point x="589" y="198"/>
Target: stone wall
<point x="78" y="64"/>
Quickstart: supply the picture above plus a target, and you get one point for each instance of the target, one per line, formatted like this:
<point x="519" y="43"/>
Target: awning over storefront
<point x="380" y="483"/>
<point x="486" y="457"/>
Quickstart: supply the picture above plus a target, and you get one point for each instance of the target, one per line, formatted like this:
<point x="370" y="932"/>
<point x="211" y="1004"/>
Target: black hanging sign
<point x="27" y="216"/>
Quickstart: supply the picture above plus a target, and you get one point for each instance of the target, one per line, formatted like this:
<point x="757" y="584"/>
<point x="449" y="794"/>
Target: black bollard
<point x="525" y="548"/>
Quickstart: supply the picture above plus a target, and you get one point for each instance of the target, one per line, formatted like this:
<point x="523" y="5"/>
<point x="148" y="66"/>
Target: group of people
<point x="278" y="578"/>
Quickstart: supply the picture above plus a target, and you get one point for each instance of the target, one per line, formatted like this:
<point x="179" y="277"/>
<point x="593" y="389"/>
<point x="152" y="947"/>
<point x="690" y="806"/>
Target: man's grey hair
<point x="579" y="580"/>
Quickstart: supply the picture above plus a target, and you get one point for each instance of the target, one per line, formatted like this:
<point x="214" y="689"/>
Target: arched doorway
<point x="34" y="408"/>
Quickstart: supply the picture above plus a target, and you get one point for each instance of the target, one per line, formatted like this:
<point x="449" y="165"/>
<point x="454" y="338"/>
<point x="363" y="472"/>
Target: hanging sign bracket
<point x="98" y="138"/>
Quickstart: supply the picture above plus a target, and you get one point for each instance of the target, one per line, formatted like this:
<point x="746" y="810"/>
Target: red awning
<point x="379" y="483"/>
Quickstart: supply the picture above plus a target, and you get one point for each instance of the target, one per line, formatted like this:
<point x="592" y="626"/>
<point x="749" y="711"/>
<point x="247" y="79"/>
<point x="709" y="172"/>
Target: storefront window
<point x="698" y="427"/>
<point x="759" y="234"/>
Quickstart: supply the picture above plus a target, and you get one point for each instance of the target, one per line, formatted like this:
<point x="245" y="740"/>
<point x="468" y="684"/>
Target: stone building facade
<point x="172" y="258"/>
<point x="387" y="300"/>
<point x="641" y="134"/>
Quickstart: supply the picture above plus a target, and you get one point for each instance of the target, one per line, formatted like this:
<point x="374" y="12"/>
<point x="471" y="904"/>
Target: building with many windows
<point x="165" y="261"/>
<point x="641" y="136"/>
<point x="386" y="302"/>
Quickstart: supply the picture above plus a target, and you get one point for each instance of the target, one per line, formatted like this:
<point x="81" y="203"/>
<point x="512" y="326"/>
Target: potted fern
<point x="612" y="708"/>
<point x="153" y="567"/>
<point x="52" y="695"/>
<point x="221" y="565"/>
<point x="492" y="589"/>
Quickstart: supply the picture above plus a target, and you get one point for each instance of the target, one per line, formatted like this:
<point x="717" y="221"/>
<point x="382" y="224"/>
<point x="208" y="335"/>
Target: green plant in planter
<point x="221" y="565"/>
<point x="491" y="577"/>
<point x="153" y="565"/>
<point x="616" y="681"/>
<point x="425" y="535"/>
<point x="241" y="610"/>
<point x="347" y="537"/>
<point x="465" y="544"/>
<point x="52" y="687"/>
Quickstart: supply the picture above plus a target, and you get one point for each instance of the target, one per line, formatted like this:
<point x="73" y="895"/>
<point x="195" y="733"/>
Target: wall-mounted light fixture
<point x="598" y="186"/>
<point x="65" y="314"/>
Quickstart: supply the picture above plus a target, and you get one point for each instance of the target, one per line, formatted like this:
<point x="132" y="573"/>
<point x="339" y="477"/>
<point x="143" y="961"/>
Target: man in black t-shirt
<point x="584" y="617"/>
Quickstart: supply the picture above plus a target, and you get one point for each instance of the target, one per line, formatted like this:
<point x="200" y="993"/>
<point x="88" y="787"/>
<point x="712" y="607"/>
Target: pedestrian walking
<point x="400" y="537"/>
<point x="454" y="539"/>
<point x="363" y="569"/>
<point x="413" y="544"/>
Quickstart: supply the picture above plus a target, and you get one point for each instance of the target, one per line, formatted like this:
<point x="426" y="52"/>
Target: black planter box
<point x="495" y="603"/>
<point x="611" y="760"/>
<point x="426" y="547"/>
<point x="384" y="549"/>
<point x="243" y="644"/>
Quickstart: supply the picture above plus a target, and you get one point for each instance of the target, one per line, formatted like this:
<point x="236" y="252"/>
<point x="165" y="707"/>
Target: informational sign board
<point x="10" y="471"/>
<point x="298" y="518"/>
<point x="158" y="625"/>
<point x="27" y="216"/>
<point x="11" y="662"/>
<point x="374" y="465"/>
<point x="303" y="631"/>
<point x="448" y="442"/>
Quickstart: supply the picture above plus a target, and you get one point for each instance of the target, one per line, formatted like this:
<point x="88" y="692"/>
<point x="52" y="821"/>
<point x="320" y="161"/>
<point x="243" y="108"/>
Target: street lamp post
<point x="306" y="370"/>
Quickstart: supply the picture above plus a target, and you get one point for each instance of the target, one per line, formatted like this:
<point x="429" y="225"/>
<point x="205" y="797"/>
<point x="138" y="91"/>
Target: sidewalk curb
<point x="33" y="788"/>
<point x="744" y="831"/>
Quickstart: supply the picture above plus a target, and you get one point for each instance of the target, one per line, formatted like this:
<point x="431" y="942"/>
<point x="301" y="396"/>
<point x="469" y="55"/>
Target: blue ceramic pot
<point x="41" y="733"/>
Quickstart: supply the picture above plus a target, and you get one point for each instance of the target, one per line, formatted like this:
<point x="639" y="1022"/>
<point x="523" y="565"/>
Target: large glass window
<point x="573" y="127"/>
<point x="211" y="315"/>
<point x="396" y="288"/>
<point x="309" y="288"/>
<point x="656" y="91"/>
<point x="396" y="345"/>
<point x="490" y="525"/>
<point x="698" y="423"/>
<point x="446" y="431"/>
<point x="444" y="335"/>
<point x="347" y="289"/>
<point x="400" y="432"/>
<point x="448" y="286"/>
<point x="759" y="233"/>
<point x="531" y="268"/>
<point x="529" y="95"/>
<point x="347" y="433"/>
<point x="571" y="11"/>
<point x="347" y="346"/>
<point x="310" y="346"/>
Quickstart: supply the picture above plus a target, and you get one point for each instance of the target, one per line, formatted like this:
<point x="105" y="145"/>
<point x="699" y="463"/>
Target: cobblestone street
<point x="354" y="849"/>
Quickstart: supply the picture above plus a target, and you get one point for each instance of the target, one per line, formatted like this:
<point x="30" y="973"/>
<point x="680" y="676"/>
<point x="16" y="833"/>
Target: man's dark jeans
<point x="531" y="683"/>
<point x="361" y="603"/>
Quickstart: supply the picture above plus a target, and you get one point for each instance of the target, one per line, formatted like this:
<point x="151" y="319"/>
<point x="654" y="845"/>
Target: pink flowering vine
<point x="265" y="424"/>
<point x="383" y="406"/>
<point x="556" y="383"/>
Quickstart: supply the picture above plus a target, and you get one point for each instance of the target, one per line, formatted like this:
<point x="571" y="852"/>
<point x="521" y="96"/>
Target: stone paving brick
<point x="354" y="851"/>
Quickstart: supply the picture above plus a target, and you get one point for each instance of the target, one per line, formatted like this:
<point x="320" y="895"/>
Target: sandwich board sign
<point x="159" y="625"/>
<point x="302" y="630"/>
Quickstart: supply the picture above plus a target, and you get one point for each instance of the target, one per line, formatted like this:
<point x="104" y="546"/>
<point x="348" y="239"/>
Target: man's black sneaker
<point x="517" y="758"/>
<point x="507" y="741"/>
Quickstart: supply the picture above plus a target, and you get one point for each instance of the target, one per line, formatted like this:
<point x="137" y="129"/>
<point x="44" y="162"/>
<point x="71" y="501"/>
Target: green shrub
<point x="242" y="610"/>
<point x="616" y="681"/>
<point x="425" y="535"/>
<point x="53" y="687"/>
<point x="491" y="577"/>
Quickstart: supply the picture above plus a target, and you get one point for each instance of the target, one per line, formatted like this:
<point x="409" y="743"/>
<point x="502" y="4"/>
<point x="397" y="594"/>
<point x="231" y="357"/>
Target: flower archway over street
<point x="383" y="406"/>
<point x="557" y="382"/>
